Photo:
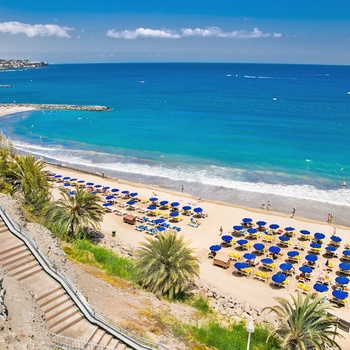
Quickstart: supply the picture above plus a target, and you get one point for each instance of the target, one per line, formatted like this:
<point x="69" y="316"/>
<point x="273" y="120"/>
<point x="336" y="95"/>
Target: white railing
<point x="124" y="335"/>
<point x="67" y="343"/>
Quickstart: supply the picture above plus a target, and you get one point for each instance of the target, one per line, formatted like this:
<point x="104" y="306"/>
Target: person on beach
<point x="182" y="188"/>
<point x="268" y="206"/>
<point x="329" y="218"/>
<point x="263" y="205"/>
<point x="293" y="213"/>
<point x="335" y="231"/>
<point x="221" y="230"/>
<point x="344" y="184"/>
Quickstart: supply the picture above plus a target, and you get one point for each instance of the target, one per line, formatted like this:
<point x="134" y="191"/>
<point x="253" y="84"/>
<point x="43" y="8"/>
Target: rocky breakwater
<point x="63" y="107"/>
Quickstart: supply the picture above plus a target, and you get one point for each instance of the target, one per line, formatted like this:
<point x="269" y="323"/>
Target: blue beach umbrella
<point x="174" y="204"/>
<point x="153" y="199"/>
<point x="74" y="179"/>
<point x="215" y="247"/>
<point x="114" y="190"/>
<point x="305" y="269"/>
<point x="249" y="256"/>
<point x="279" y="277"/>
<point x="186" y="207"/>
<point x="320" y="287"/>
<point x="58" y="176"/>
<point x="131" y="202"/>
<point x="238" y="228"/>
<point x="252" y="231"/>
<point x="261" y="223"/>
<point x="110" y="197"/>
<point x="105" y="188"/>
<point x="344" y="266"/>
<point x="161" y="229"/>
<point x="289" y="229"/>
<point x="81" y="181"/>
<point x="198" y="210"/>
<point x="174" y="213"/>
<point x="227" y="238"/>
<point x="267" y="261"/>
<point x="315" y="245"/>
<point x="305" y="232"/>
<point x="163" y="202"/>
<point x="259" y="246"/>
<point x="66" y="178"/>
<point x="286" y="266"/>
<point x="66" y="184"/>
<point x="340" y="294"/>
<point x="241" y="265"/>
<point x="89" y="184"/>
<point x="293" y="253"/>
<point x="151" y="207"/>
<point x="159" y="221"/>
<point x="274" y="249"/>
<point x="133" y="194"/>
<point x="125" y="192"/>
<point x="342" y="280"/>
<point x="311" y="257"/>
<point x="336" y="239"/>
<point x="284" y="238"/>
<point x="274" y="226"/>
<point x="319" y="235"/>
<point x="331" y="248"/>
<point x="247" y="220"/>
<point x="107" y="204"/>
<point x="72" y="193"/>
<point x="346" y="252"/>
<point x="242" y="241"/>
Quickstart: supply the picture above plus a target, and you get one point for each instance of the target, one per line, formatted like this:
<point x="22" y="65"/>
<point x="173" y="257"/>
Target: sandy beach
<point x="249" y="289"/>
<point x="10" y="109"/>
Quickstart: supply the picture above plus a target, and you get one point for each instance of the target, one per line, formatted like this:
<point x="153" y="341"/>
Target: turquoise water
<point x="233" y="132"/>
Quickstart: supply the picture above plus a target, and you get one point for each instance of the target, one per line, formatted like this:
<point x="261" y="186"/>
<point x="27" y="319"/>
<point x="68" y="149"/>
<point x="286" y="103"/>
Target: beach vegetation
<point x="213" y="334"/>
<point x="304" y="323"/>
<point x="166" y="265"/>
<point x="75" y="214"/>
<point x="86" y="252"/>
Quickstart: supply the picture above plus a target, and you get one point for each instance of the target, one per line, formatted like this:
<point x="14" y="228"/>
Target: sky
<point x="240" y="31"/>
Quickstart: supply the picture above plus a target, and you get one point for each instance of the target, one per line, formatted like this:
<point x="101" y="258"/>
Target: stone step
<point x="58" y="309"/>
<point x="61" y="317"/>
<point x="62" y="326"/>
<point x="48" y="294"/>
<point x="15" y="263"/>
<point x="106" y="339"/>
<point x="9" y="246"/>
<point x="35" y="269"/>
<point x="20" y="268"/>
<point x="98" y="335"/>
<point x="3" y="229"/>
<point x="56" y="302"/>
<point x="15" y="252"/>
<point x="121" y="346"/>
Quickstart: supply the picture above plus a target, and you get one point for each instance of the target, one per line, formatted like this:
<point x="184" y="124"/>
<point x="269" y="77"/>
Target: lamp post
<point x="250" y="329"/>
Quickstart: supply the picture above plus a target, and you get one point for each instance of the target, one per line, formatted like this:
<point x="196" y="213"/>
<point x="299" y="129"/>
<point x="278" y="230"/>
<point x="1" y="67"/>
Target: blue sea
<point x="236" y="133"/>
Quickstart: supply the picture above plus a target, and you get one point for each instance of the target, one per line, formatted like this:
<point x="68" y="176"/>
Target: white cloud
<point x="213" y="32"/>
<point x="143" y="33"/>
<point x="218" y="33"/>
<point x="35" y="29"/>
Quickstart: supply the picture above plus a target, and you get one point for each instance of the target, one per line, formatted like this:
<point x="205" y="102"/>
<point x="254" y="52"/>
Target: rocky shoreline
<point x="61" y="107"/>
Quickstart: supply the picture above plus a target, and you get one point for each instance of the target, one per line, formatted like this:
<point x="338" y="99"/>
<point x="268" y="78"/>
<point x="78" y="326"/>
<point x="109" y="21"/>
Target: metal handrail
<point x="129" y="338"/>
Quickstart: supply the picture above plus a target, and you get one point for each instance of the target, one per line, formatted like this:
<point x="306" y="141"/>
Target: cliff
<point x="15" y="64"/>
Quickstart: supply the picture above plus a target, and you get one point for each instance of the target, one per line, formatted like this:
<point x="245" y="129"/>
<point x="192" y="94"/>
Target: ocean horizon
<point x="236" y="133"/>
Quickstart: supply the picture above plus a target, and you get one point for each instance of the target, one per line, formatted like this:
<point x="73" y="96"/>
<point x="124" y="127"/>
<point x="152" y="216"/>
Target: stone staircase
<point x="61" y="314"/>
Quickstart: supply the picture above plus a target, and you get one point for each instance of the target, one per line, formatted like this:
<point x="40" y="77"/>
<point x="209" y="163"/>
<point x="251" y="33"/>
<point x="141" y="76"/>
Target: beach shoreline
<point x="249" y="290"/>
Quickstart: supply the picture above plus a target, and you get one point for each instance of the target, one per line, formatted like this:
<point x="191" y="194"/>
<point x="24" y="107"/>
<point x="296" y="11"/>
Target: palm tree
<point x="29" y="182"/>
<point x="165" y="265"/>
<point x="74" y="213"/>
<point x="304" y="323"/>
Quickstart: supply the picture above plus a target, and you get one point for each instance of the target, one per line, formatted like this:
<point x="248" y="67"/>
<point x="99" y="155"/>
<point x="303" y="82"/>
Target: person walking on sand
<point x="335" y="231"/>
<point x="221" y="230"/>
<point x="263" y="205"/>
<point x="182" y="188"/>
<point x="268" y="206"/>
<point x="293" y="213"/>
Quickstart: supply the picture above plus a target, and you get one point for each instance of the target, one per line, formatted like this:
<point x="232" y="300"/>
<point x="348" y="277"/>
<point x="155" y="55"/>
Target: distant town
<point x="14" y="64"/>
